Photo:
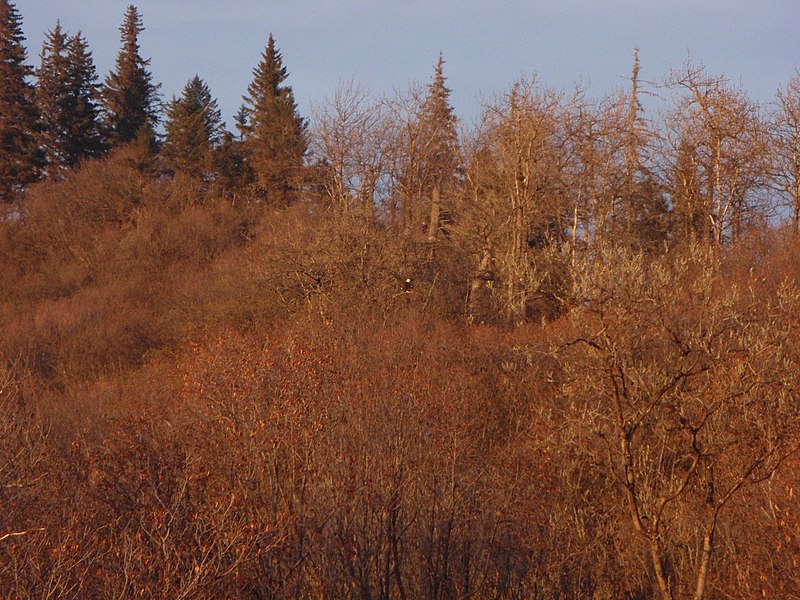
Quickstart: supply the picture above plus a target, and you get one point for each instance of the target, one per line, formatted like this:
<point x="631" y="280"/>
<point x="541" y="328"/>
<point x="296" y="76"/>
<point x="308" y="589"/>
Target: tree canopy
<point x="20" y="154"/>
<point x="194" y="129"/>
<point x="274" y="132"/>
<point x="130" y="97"/>
<point x="68" y="96"/>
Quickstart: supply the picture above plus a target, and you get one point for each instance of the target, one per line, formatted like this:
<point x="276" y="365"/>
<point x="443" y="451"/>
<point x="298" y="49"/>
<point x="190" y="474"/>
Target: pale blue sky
<point x="386" y="44"/>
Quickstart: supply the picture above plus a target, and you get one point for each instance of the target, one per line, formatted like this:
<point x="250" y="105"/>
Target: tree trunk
<point x="433" y="225"/>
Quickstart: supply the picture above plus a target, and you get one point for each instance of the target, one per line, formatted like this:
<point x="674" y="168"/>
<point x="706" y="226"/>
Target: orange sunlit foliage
<point x="560" y="384"/>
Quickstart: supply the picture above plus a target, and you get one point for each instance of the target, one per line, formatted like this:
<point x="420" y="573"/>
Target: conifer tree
<point x="85" y="139"/>
<point x="52" y="99"/>
<point x="439" y="145"/>
<point x="67" y="96"/>
<point x="20" y="158"/>
<point x="130" y="97"/>
<point x="194" y="129"/>
<point x="428" y="158"/>
<point x="240" y="120"/>
<point x="232" y="172"/>
<point x="274" y="132"/>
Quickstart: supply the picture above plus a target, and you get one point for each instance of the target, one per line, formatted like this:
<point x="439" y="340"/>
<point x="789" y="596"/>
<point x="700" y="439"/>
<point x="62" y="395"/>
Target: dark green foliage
<point x="85" y="140"/>
<point x="194" y="129"/>
<point x="232" y="170"/>
<point x="438" y="130"/>
<point x="439" y="159"/>
<point x="273" y="131"/>
<point x="130" y="97"/>
<point x="240" y="119"/>
<point x="652" y="220"/>
<point x="67" y="96"/>
<point x="52" y="98"/>
<point x="20" y="159"/>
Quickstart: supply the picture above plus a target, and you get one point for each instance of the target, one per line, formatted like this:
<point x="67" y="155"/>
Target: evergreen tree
<point x="20" y="158"/>
<point x="274" y="133"/>
<point x="130" y="97"/>
<point x="232" y="172"/>
<point x="85" y="139"/>
<point x="194" y="129"/>
<point x="439" y="145"/>
<point x="141" y="152"/>
<point x="52" y="99"/>
<point x="67" y="96"/>
<point x="438" y="128"/>
<point x="240" y="120"/>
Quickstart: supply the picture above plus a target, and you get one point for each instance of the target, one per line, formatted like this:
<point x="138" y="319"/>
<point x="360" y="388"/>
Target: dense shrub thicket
<point x="366" y="355"/>
<point x="205" y="399"/>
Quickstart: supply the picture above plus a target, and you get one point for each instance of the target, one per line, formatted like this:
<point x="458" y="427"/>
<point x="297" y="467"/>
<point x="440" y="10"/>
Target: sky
<point x="388" y="45"/>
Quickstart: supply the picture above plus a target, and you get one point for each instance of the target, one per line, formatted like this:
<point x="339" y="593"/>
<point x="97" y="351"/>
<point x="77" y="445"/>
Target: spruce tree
<point x="20" y="158"/>
<point x="130" y="97"/>
<point x="438" y="129"/>
<point x="194" y="129"/>
<point x="52" y="99"/>
<point x="439" y="146"/>
<point x="274" y="132"/>
<point x="240" y="120"/>
<point x="232" y="172"/>
<point x="67" y="97"/>
<point x="85" y="139"/>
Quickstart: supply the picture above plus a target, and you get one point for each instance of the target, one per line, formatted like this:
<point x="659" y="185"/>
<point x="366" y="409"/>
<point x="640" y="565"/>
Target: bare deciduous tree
<point x="689" y="391"/>
<point x="723" y="131"/>
<point x="785" y="148"/>
<point x="514" y="205"/>
<point x="350" y="136"/>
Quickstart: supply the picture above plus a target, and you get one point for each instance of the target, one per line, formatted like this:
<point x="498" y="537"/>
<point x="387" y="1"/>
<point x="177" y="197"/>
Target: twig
<point x="18" y="533"/>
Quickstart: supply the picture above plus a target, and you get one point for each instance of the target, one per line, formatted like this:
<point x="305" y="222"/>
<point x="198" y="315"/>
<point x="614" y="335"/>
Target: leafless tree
<point x="785" y="148"/>
<point x="719" y="131"/>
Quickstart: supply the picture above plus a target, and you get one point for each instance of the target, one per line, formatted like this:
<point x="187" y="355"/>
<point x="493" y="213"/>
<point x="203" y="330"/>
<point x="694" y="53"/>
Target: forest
<point x="376" y="353"/>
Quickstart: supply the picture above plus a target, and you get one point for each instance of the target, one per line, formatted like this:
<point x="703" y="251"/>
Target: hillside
<point x="379" y="354"/>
